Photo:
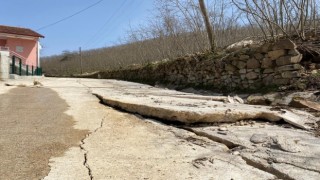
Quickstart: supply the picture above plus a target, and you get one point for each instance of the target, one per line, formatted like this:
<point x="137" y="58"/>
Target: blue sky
<point x="100" y="26"/>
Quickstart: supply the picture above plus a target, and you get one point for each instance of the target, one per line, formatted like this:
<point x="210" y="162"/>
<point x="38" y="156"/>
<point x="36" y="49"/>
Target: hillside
<point x="135" y="53"/>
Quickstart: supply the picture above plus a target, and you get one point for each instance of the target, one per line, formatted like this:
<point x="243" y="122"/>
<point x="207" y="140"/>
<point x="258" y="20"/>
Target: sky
<point x="102" y="25"/>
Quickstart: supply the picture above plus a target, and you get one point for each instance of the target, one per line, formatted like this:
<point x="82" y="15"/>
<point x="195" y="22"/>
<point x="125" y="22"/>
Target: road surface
<point x="61" y="131"/>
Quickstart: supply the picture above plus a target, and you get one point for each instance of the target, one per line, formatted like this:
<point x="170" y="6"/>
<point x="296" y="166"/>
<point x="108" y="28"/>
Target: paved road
<point x="61" y="131"/>
<point x="33" y="128"/>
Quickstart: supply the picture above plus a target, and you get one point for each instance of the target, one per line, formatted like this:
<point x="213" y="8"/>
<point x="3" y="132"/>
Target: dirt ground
<point x="33" y="128"/>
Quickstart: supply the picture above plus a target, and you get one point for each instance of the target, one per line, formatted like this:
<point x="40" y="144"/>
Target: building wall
<point x="3" y="42"/>
<point x="26" y="48"/>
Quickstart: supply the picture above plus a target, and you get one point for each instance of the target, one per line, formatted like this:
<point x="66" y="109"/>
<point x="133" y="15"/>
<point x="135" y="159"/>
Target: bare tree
<point x="281" y="17"/>
<point x="208" y="25"/>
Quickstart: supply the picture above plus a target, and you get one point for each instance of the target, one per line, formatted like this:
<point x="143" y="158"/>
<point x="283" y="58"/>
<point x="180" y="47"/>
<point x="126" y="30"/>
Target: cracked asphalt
<point x="62" y="131"/>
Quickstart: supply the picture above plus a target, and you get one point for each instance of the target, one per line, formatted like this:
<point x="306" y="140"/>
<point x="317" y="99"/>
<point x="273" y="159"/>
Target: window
<point x="19" y="49"/>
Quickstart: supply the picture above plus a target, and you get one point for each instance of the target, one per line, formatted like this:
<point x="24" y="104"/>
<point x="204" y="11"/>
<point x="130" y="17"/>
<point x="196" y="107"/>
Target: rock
<point x="230" y="68"/>
<point x="238" y="99"/>
<point x="259" y="138"/>
<point x="268" y="80"/>
<point x="253" y="64"/>
<point x="281" y="81"/>
<point x="239" y="45"/>
<point x="236" y="153"/>
<point x="285" y="60"/>
<point x="265" y="47"/>
<point x="293" y="52"/>
<point x="240" y="64"/>
<point x="273" y="55"/>
<point x="284" y="44"/>
<point x="272" y="97"/>
<point x="268" y="71"/>
<point x="285" y="99"/>
<point x="299" y="85"/>
<point x="234" y="100"/>
<point x="243" y="57"/>
<point x="290" y="67"/>
<point x="291" y="74"/>
<point x="287" y="144"/>
<point x="257" y="100"/>
<point x="252" y="75"/>
<point x="223" y="129"/>
<point x="267" y="63"/>
<point x="242" y="71"/>
<point x="303" y="103"/>
<point x="258" y="56"/>
<point x="312" y="66"/>
<point x="314" y="72"/>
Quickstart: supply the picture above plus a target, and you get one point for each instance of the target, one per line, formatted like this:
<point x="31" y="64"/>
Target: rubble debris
<point x="287" y="144"/>
<point x="259" y="138"/>
<point x="303" y="103"/>
<point x="37" y="83"/>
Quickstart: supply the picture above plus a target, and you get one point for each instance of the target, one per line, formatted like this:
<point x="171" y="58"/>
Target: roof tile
<point x="19" y="31"/>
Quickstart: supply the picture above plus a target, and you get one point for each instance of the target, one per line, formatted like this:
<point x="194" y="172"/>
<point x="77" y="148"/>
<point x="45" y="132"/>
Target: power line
<point x="127" y="13"/>
<point x="110" y="29"/>
<point x="93" y="38"/>
<point x="68" y="17"/>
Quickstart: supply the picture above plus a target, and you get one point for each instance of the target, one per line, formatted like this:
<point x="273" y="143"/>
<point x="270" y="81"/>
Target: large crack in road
<point x="85" y="162"/>
<point x="200" y="134"/>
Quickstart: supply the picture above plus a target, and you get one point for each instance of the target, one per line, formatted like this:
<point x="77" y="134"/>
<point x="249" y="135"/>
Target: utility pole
<point x="80" y="53"/>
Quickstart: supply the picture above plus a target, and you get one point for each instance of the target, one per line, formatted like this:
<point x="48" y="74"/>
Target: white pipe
<point x="39" y="48"/>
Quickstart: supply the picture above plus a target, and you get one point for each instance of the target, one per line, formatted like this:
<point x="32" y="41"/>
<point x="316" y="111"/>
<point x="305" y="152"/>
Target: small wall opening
<point x="311" y="56"/>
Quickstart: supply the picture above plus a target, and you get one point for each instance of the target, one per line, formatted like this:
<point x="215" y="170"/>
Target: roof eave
<point x="20" y="36"/>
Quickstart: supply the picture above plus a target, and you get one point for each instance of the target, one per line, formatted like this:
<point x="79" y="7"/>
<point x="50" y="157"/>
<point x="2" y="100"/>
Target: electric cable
<point x="93" y="38"/>
<point x="68" y="17"/>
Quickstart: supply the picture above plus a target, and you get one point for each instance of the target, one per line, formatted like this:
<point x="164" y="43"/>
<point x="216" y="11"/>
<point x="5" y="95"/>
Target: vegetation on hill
<point x="178" y="28"/>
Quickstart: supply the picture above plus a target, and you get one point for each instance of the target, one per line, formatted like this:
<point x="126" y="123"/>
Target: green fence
<point x="23" y="69"/>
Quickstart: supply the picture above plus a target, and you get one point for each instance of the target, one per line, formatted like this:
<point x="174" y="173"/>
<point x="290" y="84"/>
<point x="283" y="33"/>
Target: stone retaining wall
<point x="253" y="67"/>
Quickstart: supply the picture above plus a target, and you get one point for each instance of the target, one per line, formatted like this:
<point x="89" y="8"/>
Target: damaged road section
<point x="129" y="146"/>
<point x="175" y="106"/>
<point x="280" y="150"/>
<point x="285" y="152"/>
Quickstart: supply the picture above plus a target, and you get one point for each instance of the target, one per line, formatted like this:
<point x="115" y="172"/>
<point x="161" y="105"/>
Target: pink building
<point x="22" y="43"/>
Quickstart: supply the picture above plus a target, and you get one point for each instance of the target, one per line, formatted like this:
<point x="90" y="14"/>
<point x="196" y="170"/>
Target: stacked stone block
<point x="247" y="68"/>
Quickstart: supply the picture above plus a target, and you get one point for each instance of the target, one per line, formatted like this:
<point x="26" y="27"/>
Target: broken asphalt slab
<point x="288" y="153"/>
<point x="189" y="108"/>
